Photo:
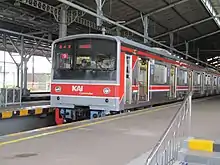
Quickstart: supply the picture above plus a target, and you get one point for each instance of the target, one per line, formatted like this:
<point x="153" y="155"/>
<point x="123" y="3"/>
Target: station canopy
<point x="193" y="21"/>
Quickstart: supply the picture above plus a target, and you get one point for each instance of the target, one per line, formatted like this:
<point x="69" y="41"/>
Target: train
<point x="95" y="75"/>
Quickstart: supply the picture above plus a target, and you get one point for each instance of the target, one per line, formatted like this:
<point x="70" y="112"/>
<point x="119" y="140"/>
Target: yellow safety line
<point x="83" y="121"/>
<point x="82" y="126"/>
<point x="107" y="119"/>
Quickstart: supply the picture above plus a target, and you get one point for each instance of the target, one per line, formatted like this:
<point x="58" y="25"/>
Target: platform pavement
<point x="117" y="140"/>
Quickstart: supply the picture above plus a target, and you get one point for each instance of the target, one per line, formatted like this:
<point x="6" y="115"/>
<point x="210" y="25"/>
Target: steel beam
<point x="126" y="28"/>
<point x="187" y="26"/>
<point x="37" y="32"/>
<point x="201" y="37"/>
<point x="24" y="35"/>
<point x="157" y="11"/>
<point x="72" y="15"/>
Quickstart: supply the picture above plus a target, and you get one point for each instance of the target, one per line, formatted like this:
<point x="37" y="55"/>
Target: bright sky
<point x="41" y="64"/>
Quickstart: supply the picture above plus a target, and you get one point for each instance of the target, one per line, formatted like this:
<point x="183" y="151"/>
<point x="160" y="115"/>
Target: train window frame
<point x="165" y="74"/>
<point x="197" y="78"/>
<point x="215" y="82"/>
<point x="184" y="81"/>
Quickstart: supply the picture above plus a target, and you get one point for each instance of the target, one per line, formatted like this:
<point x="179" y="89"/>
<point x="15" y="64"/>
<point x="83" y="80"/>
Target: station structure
<point x="189" y="29"/>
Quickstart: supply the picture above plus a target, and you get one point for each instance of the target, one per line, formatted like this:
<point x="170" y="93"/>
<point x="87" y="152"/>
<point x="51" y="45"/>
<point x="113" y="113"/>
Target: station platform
<point x="25" y="109"/>
<point x="124" y="139"/>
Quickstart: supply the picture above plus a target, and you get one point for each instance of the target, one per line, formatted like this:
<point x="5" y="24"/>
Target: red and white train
<point x="94" y="75"/>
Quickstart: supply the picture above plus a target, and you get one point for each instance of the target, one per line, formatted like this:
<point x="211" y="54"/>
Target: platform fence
<point x="39" y="86"/>
<point x="10" y="96"/>
<point x="166" y="150"/>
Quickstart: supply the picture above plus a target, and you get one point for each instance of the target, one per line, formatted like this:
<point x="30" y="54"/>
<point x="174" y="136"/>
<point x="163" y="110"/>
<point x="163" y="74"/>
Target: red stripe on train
<point x="159" y="87"/>
<point x="85" y="90"/>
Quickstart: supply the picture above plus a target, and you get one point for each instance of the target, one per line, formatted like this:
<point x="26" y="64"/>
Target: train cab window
<point x="85" y="59"/>
<point x="160" y="74"/>
<point x="219" y="81"/>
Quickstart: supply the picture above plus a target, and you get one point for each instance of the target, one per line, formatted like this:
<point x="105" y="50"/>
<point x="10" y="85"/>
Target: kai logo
<point x="77" y="88"/>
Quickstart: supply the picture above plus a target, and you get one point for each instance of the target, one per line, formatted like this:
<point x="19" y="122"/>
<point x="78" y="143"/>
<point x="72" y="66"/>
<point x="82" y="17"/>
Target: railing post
<point x="190" y="113"/>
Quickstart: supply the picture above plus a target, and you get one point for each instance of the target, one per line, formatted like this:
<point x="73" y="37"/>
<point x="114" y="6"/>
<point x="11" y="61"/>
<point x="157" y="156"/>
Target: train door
<point x="144" y="80"/>
<point x="202" y="83"/>
<point x="128" y="79"/>
<point x="190" y="79"/>
<point x="211" y="84"/>
<point x="173" y="79"/>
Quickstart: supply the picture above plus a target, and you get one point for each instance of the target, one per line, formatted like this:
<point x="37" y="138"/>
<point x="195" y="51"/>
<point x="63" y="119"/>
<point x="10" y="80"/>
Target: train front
<point x="85" y="74"/>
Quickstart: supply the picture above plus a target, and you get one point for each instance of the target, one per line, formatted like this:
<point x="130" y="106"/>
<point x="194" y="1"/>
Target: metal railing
<point x="166" y="150"/>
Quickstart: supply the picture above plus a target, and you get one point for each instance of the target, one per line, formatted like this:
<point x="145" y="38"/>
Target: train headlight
<point x="106" y="91"/>
<point x="58" y="89"/>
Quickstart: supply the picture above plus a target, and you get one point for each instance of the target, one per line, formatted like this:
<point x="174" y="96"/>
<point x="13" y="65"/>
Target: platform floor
<point x="120" y="140"/>
<point x="30" y="104"/>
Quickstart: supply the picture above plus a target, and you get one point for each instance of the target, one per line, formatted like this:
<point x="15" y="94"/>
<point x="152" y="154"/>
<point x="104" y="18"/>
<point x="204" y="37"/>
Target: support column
<point x="18" y="76"/>
<point x="99" y="11"/>
<point x="33" y="71"/>
<point x="198" y="53"/>
<point x="187" y="49"/>
<point x="118" y="31"/>
<point x="49" y="36"/>
<point x="22" y="66"/>
<point x="63" y="22"/>
<point x="25" y="74"/>
<point x="4" y="72"/>
<point x="171" y="43"/>
<point x="145" y="22"/>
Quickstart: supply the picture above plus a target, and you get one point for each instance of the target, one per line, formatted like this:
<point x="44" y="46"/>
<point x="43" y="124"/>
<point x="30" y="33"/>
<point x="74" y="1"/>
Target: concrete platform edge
<point x="27" y="111"/>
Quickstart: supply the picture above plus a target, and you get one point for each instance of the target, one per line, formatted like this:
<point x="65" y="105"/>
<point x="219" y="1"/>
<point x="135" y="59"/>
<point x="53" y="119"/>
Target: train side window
<point x="182" y="77"/>
<point x="185" y="77"/>
<point x="195" y="78"/>
<point x="160" y="74"/>
<point x="199" y="79"/>
<point x="206" y="80"/>
<point x="209" y="80"/>
<point x="215" y="81"/>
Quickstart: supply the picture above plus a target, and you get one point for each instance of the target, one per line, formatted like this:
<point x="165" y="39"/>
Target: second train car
<point x="95" y="75"/>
